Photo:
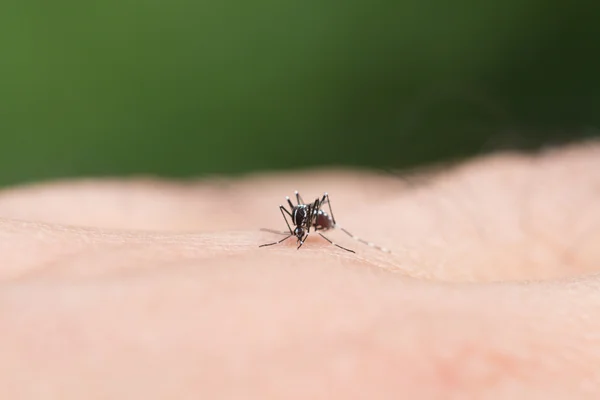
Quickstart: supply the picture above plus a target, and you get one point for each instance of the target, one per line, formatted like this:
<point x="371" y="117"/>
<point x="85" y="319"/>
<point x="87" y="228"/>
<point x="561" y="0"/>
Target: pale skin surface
<point x="145" y="289"/>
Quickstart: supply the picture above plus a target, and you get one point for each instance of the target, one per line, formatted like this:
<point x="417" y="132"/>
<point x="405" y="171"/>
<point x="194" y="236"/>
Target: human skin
<point x="158" y="290"/>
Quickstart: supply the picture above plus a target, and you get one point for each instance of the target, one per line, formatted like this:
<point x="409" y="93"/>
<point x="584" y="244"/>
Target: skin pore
<point x="151" y="289"/>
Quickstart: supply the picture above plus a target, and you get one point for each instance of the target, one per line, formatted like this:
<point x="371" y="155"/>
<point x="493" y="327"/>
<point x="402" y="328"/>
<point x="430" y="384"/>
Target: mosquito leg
<point x="282" y="209"/>
<point x="326" y="199"/>
<point x="299" y="198"/>
<point x="335" y="244"/>
<point x="313" y="212"/>
<point x="364" y="241"/>
<point x="271" y="244"/>
<point x="274" y="231"/>
<point x="290" y="203"/>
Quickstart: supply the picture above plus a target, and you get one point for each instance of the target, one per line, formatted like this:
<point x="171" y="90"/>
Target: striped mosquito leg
<point x="274" y="231"/>
<point x="335" y="244"/>
<point x="271" y="244"/>
<point x="385" y="250"/>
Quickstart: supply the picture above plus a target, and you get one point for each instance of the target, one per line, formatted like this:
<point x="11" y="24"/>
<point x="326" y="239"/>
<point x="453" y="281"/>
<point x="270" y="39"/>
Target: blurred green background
<point x="182" y="88"/>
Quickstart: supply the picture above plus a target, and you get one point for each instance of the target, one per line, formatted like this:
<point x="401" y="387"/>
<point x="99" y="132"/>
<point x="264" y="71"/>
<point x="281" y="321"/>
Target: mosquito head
<point x="299" y="232"/>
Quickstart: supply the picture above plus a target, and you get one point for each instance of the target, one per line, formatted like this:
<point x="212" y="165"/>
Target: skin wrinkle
<point x="96" y="241"/>
<point x="113" y="246"/>
<point x="150" y="308"/>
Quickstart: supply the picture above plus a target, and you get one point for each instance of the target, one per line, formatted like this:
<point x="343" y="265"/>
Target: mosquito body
<point x="305" y="216"/>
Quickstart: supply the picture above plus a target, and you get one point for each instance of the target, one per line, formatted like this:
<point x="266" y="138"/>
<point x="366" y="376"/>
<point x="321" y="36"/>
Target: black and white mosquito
<point x="306" y="216"/>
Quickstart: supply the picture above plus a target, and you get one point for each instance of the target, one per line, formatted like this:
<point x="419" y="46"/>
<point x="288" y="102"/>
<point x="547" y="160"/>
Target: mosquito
<point x="305" y="216"/>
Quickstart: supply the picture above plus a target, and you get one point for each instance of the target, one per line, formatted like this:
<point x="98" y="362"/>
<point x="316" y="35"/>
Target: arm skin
<point x="158" y="290"/>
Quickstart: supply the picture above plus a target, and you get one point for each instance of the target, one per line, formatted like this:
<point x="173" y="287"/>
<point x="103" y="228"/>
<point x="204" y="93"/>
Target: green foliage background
<point x="192" y="87"/>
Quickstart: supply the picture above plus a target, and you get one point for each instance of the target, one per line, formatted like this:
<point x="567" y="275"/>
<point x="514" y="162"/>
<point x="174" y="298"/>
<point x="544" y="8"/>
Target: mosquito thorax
<point x="300" y="214"/>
